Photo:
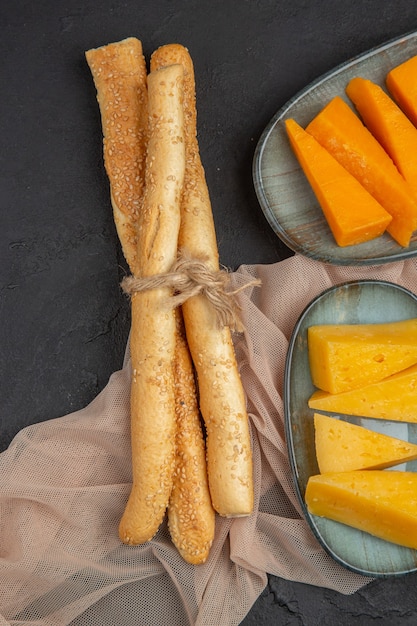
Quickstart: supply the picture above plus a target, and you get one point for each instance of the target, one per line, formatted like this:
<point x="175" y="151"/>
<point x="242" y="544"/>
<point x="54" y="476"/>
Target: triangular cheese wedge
<point x="349" y="356"/>
<point x="353" y="215"/>
<point x="388" y="124"/>
<point x="402" y="84"/>
<point x="382" y="503"/>
<point x="338" y="129"/>
<point x="394" y="398"/>
<point x="342" y="447"/>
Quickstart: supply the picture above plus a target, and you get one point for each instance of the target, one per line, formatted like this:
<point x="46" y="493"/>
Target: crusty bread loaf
<point x="195" y="205"/>
<point x="152" y="340"/>
<point x="222" y="398"/>
<point x="191" y="517"/>
<point x="155" y="172"/>
<point x="120" y="78"/>
<point x="119" y="73"/>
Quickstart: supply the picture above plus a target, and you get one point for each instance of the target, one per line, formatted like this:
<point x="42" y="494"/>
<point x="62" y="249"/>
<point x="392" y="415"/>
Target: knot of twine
<point x="190" y="277"/>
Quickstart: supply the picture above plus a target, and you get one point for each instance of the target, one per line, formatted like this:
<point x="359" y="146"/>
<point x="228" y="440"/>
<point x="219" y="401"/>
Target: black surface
<point x="63" y="319"/>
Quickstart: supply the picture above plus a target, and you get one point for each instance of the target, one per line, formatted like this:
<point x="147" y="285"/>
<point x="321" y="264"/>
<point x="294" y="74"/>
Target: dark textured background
<point x="63" y="320"/>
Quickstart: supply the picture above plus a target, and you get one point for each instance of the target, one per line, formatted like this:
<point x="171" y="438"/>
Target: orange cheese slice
<point x="380" y="502"/>
<point x="342" y="447"/>
<point x="349" y="356"/>
<point x="338" y="129"/>
<point x="393" y="398"/>
<point x="402" y="84"/>
<point x="353" y="215"/>
<point x="388" y="124"/>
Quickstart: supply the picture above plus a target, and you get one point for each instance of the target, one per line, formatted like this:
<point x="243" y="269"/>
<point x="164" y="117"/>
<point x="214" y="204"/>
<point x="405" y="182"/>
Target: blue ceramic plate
<point x="283" y="191"/>
<point x="361" y="302"/>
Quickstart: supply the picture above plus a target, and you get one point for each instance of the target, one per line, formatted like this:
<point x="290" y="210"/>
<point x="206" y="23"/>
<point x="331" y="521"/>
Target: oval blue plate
<point x="364" y="301"/>
<point x="283" y="191"/>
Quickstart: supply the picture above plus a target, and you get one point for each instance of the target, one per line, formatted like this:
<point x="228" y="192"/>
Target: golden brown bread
<point x="222" y="399"/>
<point x="119" y="73"/>
<point x="191" y="517"/>
<point x="152" y="341"/>
<point x="195" y="205"/>
<point x="192" y="530"/>
<point x="159" y="123"/>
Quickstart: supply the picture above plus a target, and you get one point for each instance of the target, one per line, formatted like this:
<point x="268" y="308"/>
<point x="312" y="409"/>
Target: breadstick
<point x="222" y="398"/>
<point x="152" y="342"/>
<point x="191" y="517"/>
<point x="119" y="73"/>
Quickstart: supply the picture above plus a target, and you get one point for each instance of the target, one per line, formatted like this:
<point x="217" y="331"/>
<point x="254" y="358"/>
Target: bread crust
<point x="120" y="77"/>
<point x="152" y="340"/>
<point x="222" y="398"/>
<point x="191" y="517"/>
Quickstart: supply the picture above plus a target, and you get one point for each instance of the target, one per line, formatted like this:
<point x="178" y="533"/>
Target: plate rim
<point x="310" y="519"/>
<point x="261" y="145"/>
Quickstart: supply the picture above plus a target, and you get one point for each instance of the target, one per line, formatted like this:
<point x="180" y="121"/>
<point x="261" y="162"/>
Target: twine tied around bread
<point x="190" y="277"/>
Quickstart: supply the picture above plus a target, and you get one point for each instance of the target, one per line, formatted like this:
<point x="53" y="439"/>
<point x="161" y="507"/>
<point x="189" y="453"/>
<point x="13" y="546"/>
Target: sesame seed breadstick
<point x="119" y="73"/>
<point x="222" y="398"/>
<point x="195" y="205"/>
<point x="191" y="517"/>
<point x="153" y="332"/>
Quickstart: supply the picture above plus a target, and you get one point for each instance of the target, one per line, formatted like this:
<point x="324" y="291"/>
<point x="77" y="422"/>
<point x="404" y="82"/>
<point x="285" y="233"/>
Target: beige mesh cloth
<point x="64" y="483"/>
